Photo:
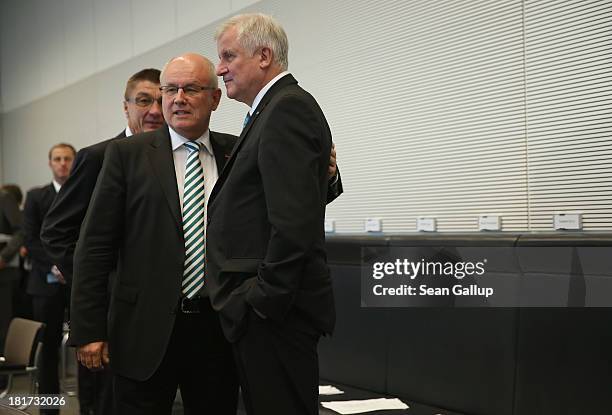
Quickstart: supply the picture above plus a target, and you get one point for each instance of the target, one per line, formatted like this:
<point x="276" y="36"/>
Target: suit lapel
<point x="220" y="150"/>
<point x="160" y="155"/>
<point x="49" y="195"/>
<point x="280" y="84"/>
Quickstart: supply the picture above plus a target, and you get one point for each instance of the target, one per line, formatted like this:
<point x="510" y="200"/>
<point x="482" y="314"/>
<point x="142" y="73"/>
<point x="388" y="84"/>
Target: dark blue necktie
<point x="246" y="120"/>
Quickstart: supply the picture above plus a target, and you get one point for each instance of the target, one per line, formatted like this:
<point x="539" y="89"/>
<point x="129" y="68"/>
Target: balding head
<point x="189" y="94"/>
<point x="196" y="60"/>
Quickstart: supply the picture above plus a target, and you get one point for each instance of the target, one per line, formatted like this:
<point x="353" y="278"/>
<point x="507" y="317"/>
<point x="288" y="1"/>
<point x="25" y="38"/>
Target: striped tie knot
<point x="192" y="146"/>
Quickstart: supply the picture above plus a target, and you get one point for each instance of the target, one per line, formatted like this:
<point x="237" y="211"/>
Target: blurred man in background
<point x="46" y="284"/>
<point x="11" y="239"/>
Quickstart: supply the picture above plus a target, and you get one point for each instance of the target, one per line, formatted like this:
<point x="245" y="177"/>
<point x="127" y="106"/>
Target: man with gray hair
<point x="267" y="274"/>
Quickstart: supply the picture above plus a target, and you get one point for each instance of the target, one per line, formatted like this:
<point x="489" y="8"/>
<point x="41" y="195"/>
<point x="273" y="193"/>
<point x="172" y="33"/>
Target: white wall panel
<point x="51" y="51"/>
<point x="154" y="23"/>
<point x="109" y="88"/>
<point x="8" y="69"/>
<point x="237" y="5"/>
<point x="28" y="144"/>
<point x="195" y="14"/>
<point x="113" y="29"/>
<point x="48" y="45"/>
<point x="79" y="49"/>
<point x="20" y="40"/>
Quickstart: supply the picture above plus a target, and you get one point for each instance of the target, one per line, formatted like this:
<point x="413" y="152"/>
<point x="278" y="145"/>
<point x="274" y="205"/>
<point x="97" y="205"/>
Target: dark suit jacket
<point x="11" y="220"/>
<point x="133" y="225"/>
<point x="265" y="236"/>
<point x="60" y="229"/>
<point x="37" y="205"/>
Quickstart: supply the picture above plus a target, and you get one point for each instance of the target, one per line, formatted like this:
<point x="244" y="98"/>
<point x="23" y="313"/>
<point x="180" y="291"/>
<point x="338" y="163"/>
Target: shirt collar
<point x="178" y="140"/>
<point x="265" y="89"/>
<point x="56" y="186"/>
<point x="128" y="132"/>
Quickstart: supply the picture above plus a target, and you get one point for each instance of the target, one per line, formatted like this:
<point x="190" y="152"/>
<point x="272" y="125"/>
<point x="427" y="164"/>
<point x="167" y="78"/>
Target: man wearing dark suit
<point x="45" y="285"/>
<point x="266" y="265"/>
<point x="158" y="336"/>
<point x="11" y="238"/>
<point x="60" y="232"/>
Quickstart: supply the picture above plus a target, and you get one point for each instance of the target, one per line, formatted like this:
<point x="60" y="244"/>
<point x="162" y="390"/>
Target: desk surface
<point x="355" y="394"/>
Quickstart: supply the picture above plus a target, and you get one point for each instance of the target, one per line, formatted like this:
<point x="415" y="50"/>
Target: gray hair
<point x="256" y="30"/>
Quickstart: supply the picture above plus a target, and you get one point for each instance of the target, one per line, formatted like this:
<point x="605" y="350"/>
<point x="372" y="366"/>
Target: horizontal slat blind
<point x="447" y="108"/>
<point x="427" y="105"/>
<point x="568" y="72"/>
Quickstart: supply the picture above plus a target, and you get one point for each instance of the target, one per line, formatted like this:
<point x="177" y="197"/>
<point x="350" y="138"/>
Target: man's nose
<point x="220" y="69"/>
<point x="179" y="98"/>
<point x="156" y="107"/>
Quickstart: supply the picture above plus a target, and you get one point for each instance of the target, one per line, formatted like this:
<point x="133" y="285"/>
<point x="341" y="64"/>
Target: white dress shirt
<point x="56" y="186"/>
<point x="207" y="158"/>
<point x="265" y="89"/>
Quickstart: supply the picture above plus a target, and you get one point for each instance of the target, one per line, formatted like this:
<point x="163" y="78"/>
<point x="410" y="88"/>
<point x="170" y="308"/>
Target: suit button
<point x="208" y="221"/>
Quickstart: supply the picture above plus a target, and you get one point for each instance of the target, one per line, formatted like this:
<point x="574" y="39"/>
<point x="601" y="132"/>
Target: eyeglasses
<point x="144" y="101"/>
<point x="188" y="90"/>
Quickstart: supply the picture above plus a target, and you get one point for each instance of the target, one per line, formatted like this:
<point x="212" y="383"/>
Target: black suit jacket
<point x="38" y="202"/>
<point x="133" y="225"/>
<point x="60" y="229"/>
<point x="61" y="226"/>
<point x="11" y="222"/>
<point x="265" y="236"/>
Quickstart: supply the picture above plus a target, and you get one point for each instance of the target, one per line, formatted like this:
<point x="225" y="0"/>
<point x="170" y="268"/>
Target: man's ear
<point x="125" y="111"/>
<point x="216" y="95"/>
<point x="265" y="57"/>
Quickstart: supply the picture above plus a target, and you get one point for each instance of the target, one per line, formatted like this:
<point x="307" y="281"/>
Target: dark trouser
<point x="278" y="367"/>
<point x="198" y="360"/>
<point x="9" y="279"/>
<point x="50" y="310"/>
<point x="95" y="391"/>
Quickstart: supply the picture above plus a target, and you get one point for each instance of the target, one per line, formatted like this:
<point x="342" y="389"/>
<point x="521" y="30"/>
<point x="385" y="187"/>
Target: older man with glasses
<point x="146" y="221"/>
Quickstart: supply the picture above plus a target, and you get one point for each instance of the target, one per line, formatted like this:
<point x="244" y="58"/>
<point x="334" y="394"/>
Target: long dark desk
<point x="477" y="361"/>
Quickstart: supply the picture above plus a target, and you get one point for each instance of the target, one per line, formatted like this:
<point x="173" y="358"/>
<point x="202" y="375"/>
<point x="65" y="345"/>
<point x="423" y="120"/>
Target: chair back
<point x="22" y="340"/>
<point x="7" y="410"/>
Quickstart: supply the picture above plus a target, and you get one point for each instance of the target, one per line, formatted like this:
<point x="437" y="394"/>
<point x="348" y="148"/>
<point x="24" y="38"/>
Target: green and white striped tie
<point x="193" y="222"/>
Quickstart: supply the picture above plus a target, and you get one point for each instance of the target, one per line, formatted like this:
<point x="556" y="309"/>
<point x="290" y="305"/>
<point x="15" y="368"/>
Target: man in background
<point x="46" y="285"/>
<point x="142" y="108"/>
<point x="60" y="232"/>
<point x="21" y="301"/>
<point x="11" y="238"/>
